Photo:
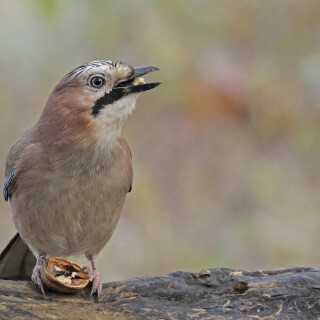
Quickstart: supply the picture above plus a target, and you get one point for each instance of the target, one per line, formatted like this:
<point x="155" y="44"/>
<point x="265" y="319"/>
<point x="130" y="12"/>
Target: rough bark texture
<point x="218" y="293"/>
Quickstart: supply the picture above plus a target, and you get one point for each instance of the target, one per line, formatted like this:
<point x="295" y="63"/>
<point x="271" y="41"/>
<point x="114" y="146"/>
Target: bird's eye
<point x="97" y="82"/>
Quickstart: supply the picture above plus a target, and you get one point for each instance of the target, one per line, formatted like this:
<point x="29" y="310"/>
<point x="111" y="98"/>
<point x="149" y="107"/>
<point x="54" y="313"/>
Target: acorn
<point x="65" y="276"/>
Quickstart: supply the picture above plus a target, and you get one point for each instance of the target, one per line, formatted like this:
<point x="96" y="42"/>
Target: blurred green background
<point x="226" y="151"/>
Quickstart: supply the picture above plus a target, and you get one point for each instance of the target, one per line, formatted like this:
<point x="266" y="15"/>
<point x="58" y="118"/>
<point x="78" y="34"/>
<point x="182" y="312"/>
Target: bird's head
<point x="100" y="94"/>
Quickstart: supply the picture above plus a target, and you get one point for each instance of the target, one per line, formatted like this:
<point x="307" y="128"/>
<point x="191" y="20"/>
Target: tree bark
<point x="217" y="293"/>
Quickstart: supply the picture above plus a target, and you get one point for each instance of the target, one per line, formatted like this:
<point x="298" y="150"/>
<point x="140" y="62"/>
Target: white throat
<point x="110" y="120"/>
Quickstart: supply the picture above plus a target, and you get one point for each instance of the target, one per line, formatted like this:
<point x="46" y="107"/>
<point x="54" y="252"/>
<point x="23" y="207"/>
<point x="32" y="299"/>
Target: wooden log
<point x="217" y="293"/>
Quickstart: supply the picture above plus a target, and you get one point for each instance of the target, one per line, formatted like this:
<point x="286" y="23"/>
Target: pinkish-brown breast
<point x="72" y="197"/>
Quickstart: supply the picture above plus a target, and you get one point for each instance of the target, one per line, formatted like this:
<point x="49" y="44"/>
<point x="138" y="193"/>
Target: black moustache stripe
<point x="108" y="98"/>
<point x="119" y="92"/>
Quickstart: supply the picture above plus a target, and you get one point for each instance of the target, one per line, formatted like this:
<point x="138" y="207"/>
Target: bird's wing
<point x="131" y="185"/>
<point x="25" y="140"/>
<point x="126" y="146"/>
<point x="16" y="260"/>
<point x="6" y="185"/>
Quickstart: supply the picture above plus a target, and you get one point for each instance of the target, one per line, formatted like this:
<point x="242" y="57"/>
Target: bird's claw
<point x="96" y="283"/>
<point x="86" y="270"/>
<point x="36" y="278"/>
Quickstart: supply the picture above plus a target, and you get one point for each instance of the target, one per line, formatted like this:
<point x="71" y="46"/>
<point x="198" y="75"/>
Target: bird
<point x="66" y="178"/>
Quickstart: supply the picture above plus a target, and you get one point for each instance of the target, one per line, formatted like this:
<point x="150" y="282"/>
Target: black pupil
<point x="97" y="82"/>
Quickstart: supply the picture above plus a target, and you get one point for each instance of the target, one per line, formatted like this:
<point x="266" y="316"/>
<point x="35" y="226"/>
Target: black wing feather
<point x="131" y="184"/>
<point x="16" y="260"/>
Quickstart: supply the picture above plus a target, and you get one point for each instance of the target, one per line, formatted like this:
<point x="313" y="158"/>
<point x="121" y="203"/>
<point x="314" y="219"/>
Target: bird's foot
<point x="86" y="270"/>
<point x="96" y="283"/>
<point x="36" y="275"/>
<point x="95" y="278"/>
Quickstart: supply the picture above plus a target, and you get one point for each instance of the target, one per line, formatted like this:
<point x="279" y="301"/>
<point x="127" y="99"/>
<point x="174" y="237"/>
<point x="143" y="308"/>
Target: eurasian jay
<point x="66" y="178"/>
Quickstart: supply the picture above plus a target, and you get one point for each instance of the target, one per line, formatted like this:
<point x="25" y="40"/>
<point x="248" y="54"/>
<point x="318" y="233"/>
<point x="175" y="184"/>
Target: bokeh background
<point x="226" y="151"/>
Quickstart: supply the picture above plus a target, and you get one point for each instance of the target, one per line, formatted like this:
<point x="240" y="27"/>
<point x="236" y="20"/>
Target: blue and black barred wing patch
<point x="6" y="183"/>
<point x="131" y="185"/>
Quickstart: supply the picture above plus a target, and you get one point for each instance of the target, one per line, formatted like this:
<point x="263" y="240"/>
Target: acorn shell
<point x="63" y="275"/>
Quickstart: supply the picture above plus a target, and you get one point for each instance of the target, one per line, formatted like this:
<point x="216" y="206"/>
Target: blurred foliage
<point x="226" y="151"/>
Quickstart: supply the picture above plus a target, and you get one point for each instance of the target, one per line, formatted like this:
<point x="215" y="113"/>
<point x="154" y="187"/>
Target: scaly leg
<point x="95" y="278"/>
<point x="36" y="276"/>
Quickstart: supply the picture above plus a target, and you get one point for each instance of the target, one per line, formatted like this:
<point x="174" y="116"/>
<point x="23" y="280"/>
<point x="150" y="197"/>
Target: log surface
<point x="217" y="293"/>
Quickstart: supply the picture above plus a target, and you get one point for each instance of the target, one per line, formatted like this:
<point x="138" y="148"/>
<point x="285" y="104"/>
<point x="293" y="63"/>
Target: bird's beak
<point x="134" y="83"/>
<point x="125" y="87"/>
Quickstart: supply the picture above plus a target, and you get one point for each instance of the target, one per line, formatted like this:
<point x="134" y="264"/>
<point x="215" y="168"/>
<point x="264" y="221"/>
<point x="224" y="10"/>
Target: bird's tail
<point x="16" y="260"/>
